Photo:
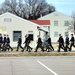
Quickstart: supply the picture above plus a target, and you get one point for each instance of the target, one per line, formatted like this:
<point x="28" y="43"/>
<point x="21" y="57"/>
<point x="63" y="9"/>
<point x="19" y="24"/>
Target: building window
<point x="7" y="19"/>
<point x="55" y="23"/>
<point x="66" y="33"/>
<point x="55" y="34"/>
<point x="16" y="34"/>
<point x="66" y="23"/>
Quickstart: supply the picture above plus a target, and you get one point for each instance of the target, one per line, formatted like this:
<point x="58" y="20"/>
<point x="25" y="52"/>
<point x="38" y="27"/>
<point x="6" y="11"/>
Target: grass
<point x="19" y="54"/>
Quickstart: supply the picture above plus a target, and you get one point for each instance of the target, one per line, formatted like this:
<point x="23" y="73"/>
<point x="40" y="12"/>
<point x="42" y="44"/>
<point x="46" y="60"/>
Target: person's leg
<point x="41" y="47"/>
<point x="24" y="48"/>
<point x="4" y="47"/>
<point x="7" y="46"/>
<point x="0" y="47"/>
<point x="65" y="48"/>
<point x="10" y="47"/>
<point x="70" y="47"/>
<point x="59" y="48"/>
<point x="47" y="48"/>
<point x="29" y="48"/>
<point x="36" y="48"/>
<point x="51" y="47"/>
<point x="21" y="47"/>
<point x="17" y="47"/>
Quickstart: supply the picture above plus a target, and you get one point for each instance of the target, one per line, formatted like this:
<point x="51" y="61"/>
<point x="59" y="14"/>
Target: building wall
<point x="10" y="23"/>
<point x="7" y="26"/>
<point x="61" y="28"/>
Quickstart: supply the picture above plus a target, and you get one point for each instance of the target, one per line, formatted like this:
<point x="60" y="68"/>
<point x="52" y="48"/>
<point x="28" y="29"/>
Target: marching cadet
<point x="39" y="44"/>
<point x="72" y="42"/>
<point x="61" y="43"/>
<point x="27" y="41"/>
<point x="8" y="43"/>
<point x="49" y="44"/>
<point x="19" y="43"/>
<point x="1" y="40"/>
<point x="67" y="43"/>
<point x="4" y="43"/>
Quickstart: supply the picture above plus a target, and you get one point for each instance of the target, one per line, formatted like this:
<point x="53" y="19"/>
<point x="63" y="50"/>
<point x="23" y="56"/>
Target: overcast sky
<point x="63" y="6"/>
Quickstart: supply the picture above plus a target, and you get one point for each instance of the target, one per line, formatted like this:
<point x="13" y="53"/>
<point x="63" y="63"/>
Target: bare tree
<point x="72" y="23"/>
<point x="29" y="9"/>
<point x="37" y="8"/>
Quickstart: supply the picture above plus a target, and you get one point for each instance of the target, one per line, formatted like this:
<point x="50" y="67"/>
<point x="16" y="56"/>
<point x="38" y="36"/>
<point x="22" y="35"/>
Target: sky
<point x="64" y="6"/>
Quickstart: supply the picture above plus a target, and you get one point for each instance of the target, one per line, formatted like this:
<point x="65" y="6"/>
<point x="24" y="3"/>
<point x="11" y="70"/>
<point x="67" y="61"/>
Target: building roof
<point x="12" y="15"/>
<point x="41" y="22"/>
<point x="54" y="15"/>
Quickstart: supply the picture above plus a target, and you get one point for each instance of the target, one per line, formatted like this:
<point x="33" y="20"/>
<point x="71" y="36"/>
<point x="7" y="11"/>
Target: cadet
<point x="39" y="44"/>
<point x="8" y="43"/>
<point x="1" y="40"/>
<point x="61" y="42"/>
<point x="19" y="43"/>
<point x="67" y="43"/>
<point x="49" y="44"/>
<point x="72" y="42"/>
<point x="4" y="43"/>
<point x="27" y="41"/>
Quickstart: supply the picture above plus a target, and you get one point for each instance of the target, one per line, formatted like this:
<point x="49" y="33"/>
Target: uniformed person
<point x="67" y="43"/>
<point x="27" y="42"/>
<point x="49" y="44"/>
<point x="19" y="43"/>
<point x="61" y="43"/>
<point x="8" y="43"/>
<point x="39" y="44"/>
<point x="1" y="41"/>
<point x="4" y="43"/>
<point x="72" y="42"/>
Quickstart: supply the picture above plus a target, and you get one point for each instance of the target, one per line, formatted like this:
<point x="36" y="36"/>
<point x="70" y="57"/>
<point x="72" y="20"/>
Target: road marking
<point x="47" y="68"/>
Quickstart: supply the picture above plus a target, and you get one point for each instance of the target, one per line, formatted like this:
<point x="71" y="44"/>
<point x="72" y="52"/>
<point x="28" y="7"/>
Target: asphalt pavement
<point x="42" y="65"/>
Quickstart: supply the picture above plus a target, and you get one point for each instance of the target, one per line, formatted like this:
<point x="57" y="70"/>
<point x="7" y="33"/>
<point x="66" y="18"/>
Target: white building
<point x="59" y="24"/>
<point x="14" y="26"/>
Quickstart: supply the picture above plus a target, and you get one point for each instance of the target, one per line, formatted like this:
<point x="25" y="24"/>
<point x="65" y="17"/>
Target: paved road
<point x="53" y="65"/>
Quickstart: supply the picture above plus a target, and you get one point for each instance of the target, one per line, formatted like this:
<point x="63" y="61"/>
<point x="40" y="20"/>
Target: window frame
<point x="66" y="23"/>
<point x="67" y="33"/>
<point x="16" y="35"/>
<point x="55" y="22"/>
<point x="55" y="34"/>
<point x="7" y="19"/>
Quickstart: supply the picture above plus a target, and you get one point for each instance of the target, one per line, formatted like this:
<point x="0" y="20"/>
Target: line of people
<point x="49" y="46"/>
<point x="5" y="43"/>
<point x="67" y="43"/>
<point x="27" y="41"/>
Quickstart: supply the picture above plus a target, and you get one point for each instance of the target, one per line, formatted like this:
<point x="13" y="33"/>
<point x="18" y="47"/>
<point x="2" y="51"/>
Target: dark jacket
<point x="1" y="39"/>
<point x="8" y="40"/>
<point x="49" y="40"/>
<point x="72" y="40"/>
<point x="61" y="40"/>
<point x="39" y="41"/>
<point x="19" y="41"/>
<point x="27" y="40"/>
<point x="4" y="40"/>
<point x="67" y="40"/>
